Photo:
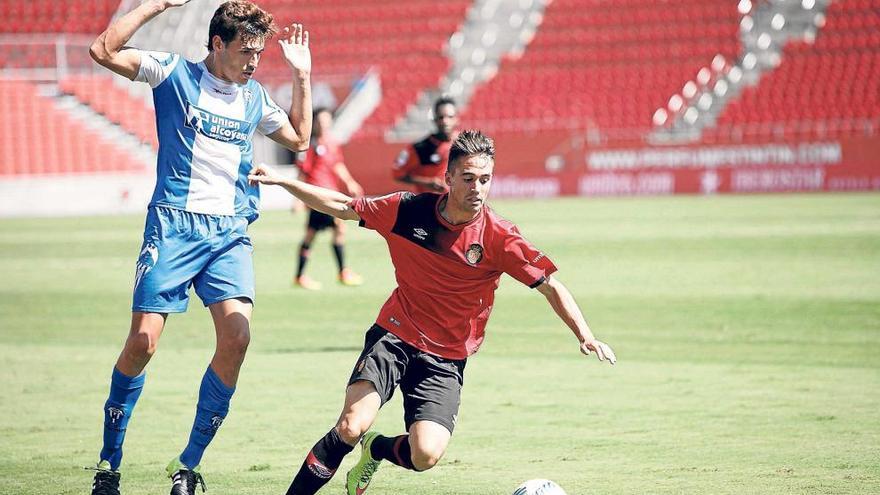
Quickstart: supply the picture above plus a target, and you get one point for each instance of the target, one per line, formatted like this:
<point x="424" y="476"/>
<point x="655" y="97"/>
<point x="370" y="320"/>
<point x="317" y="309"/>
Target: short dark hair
<point x="470" y="143"/>
<point x="319" y="110"/>
<point x="443" y="100"/>
<point x="240" y="17"/>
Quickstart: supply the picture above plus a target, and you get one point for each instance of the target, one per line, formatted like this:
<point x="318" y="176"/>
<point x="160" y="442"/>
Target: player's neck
<point x="213" y="69"/>
<point x="454" y="215"/>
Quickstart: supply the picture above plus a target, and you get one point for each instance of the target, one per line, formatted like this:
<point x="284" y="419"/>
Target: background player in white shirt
<point x="196" y="228"/>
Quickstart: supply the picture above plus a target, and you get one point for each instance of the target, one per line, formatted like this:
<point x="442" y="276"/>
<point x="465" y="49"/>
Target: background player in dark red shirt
<point x="449" y="251"/>
<point x="324" y="165"/>
<point x="423" y="164"/>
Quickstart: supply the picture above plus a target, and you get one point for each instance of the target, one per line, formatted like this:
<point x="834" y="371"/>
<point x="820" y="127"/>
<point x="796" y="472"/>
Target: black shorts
<point x="319" y="221"/>
<point x="431" y="385"/>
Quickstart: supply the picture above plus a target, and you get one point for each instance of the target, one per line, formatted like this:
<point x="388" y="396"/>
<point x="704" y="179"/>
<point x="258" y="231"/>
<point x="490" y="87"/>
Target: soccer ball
<point x="539" y="487"/>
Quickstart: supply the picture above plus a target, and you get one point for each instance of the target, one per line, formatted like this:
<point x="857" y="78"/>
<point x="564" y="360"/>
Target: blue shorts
<point x="182" y="249"/>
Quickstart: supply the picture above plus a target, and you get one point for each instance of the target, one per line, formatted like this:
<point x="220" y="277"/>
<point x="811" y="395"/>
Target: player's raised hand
<point x="603" y="351"/>
<point x="295" y="46"/>
<point x="263" y="174"/>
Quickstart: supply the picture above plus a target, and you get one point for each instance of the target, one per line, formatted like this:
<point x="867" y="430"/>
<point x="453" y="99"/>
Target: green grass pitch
<point x="747" y="330"/>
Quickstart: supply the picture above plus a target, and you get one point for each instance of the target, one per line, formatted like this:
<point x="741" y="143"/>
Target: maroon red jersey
<point x="446" y="274"/>
<point x="319" y="161"/>
<point x="427" y="158"/>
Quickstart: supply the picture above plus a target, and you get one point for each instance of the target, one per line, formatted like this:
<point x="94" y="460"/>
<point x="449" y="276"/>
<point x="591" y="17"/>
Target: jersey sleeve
<point x="523" y="261"/>
<point x="406" y="163"/>
<point x="378" y="213"/>
<point x="273" y="116"/>
<point x="156" y="67"/>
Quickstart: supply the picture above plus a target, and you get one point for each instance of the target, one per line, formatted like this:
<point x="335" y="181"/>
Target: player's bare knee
<point x="425" y="459"/>
<point x="140" y="346"/>
<point x="235" y="342"/>
<point x="351" y="428"/>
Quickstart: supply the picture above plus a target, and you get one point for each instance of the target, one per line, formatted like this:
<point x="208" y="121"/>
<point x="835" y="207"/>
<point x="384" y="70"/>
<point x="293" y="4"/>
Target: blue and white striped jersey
<point x="205" y="128"/>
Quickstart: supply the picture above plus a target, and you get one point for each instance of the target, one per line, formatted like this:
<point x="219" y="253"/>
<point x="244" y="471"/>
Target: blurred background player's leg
<point x="347" y="276"/>
<point x="301" y="279"/>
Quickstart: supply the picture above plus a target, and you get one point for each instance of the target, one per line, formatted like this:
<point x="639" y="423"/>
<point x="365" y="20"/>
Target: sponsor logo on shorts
<point x="435" y="158"/>
<point x="538" y="258"/>
<point x="146" y="261"/>
<point x="474" y="254"/>
<point x="394" y="321"/>
<point x="360" y="366"/>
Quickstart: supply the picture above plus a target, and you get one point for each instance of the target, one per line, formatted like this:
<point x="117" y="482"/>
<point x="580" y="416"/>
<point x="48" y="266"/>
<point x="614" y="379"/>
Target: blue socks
<point x="124" y="393"/>
<point x="211" y="410"/>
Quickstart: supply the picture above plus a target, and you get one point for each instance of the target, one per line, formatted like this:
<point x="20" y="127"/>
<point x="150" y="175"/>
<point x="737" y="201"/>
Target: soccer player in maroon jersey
<point x="324" y="165"/>
<point x="423" y="164"/>
<point x="449" y="251"/>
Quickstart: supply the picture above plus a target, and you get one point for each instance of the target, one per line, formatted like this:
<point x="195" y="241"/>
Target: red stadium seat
<point x="65" y="145"/>
<point x="56" y="16"/>
<point x="821" y="90"/>
<point x="605" y="64"/>
<point x="346" y="36"/>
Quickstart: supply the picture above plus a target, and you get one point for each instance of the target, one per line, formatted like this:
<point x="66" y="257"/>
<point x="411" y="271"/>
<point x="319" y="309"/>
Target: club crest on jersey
<point x="474" y="254"/>
<point x="248" y="95"/>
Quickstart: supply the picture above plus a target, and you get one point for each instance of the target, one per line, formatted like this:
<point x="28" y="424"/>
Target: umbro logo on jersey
<point x="420" y="233"/>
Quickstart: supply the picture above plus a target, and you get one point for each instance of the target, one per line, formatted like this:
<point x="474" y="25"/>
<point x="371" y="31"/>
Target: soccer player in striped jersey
<point x="197" y="221"/>
<point x="448" y="251"/>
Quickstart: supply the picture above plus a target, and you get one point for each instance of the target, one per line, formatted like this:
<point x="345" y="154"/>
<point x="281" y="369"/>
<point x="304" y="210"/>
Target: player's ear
<point x="217" y="43"/>
<point x="448" y="178"/>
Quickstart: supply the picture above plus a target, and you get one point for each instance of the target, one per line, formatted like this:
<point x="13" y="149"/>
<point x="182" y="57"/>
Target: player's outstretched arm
<point x="317" y="198"/>
<point x="295" y="134"/>
<point x="433" y="183"/>
<point x="108" y="49"/>
<point x="564" y="305"/>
